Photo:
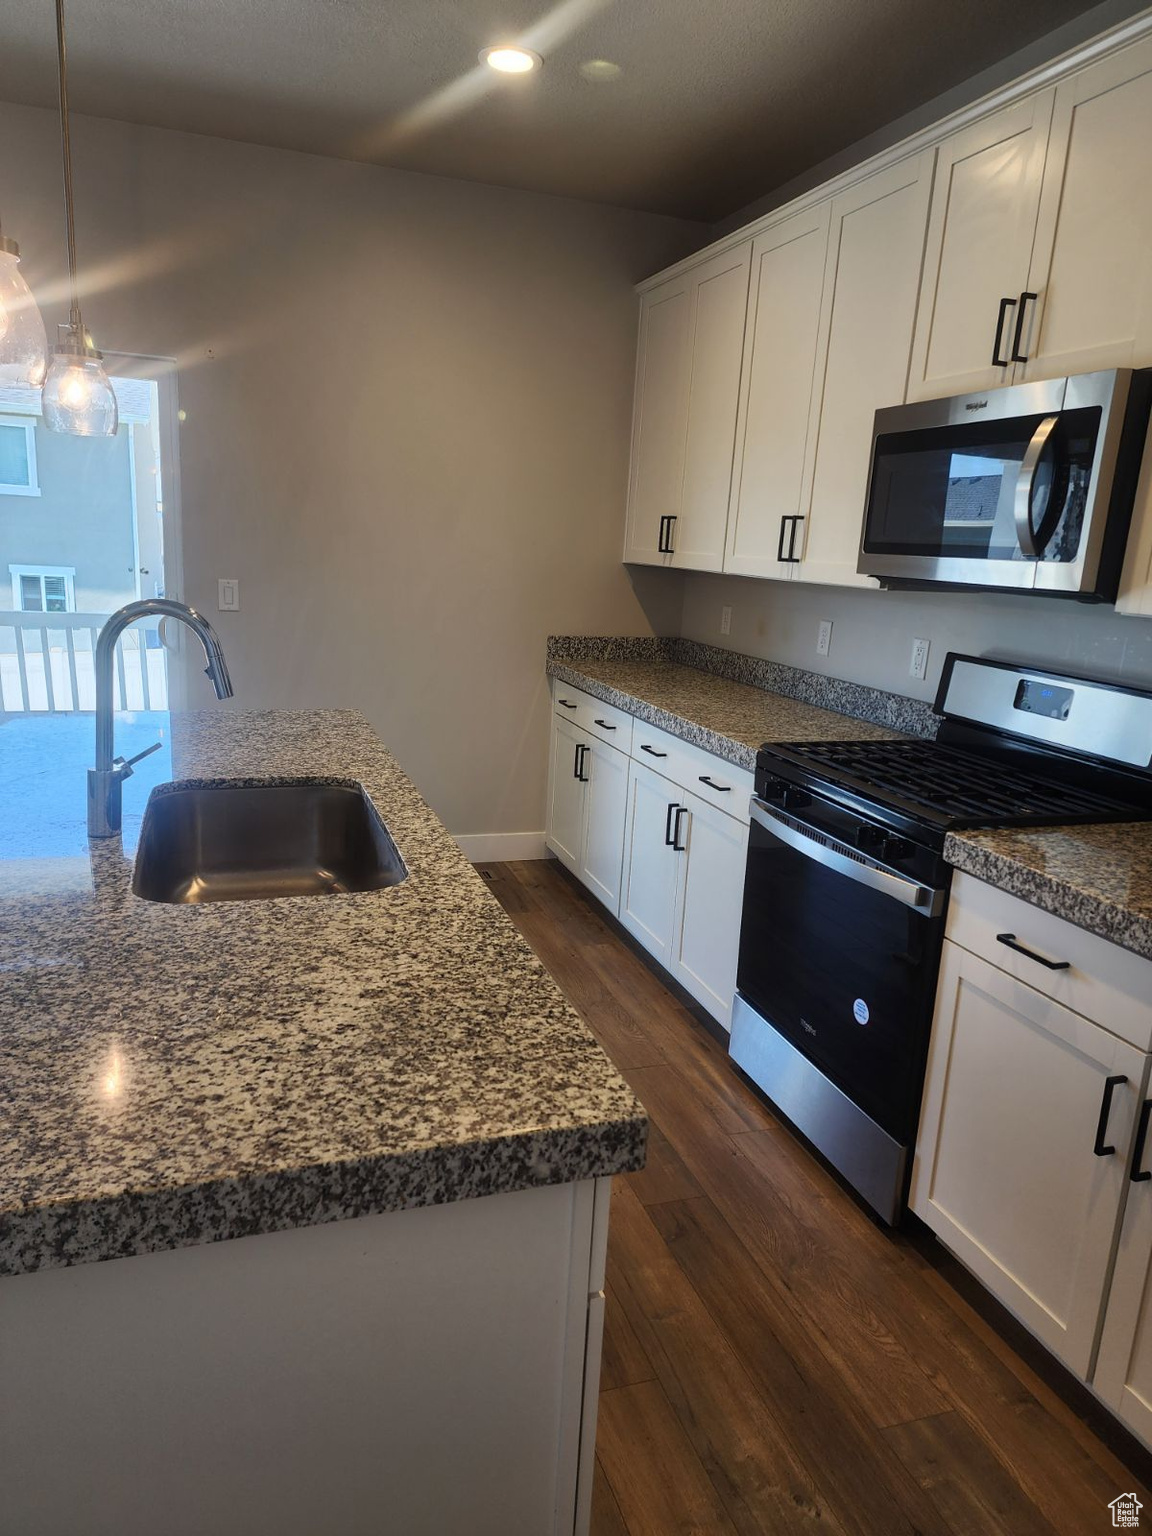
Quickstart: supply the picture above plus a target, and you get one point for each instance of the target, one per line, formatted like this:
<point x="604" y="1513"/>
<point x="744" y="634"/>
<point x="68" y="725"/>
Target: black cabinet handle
<point x="660" y="539"/>
<point x="1018" y="334"/>
<point x="1052" y="965"/>
<point x="578" y="764"/>
<point x="1110" y="1086"/>
<point x="605" y="724"/>
<point x="564" y="704"/>
<point x="788" y="525"/>
<point x="997" y="360"/>
<point x="576" y="761"/>
<point x="681" y="810"/>
<point x="1137" y="1175"/>
<point x="725" y="789"/>
<point x="669" y="839"/>
<point x="644" y="747"/>
<point x="664" y="543"/>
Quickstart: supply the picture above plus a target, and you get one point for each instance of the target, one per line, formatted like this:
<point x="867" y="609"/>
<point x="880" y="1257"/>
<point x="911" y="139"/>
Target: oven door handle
<point x="910" y="892"/>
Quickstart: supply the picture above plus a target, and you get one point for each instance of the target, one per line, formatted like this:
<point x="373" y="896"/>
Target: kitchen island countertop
<point x="176" y="1075"/>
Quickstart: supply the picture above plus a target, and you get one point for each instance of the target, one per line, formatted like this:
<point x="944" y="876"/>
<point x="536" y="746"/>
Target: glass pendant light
<point x="77" y="396"/>
<point x="23" y="345"/>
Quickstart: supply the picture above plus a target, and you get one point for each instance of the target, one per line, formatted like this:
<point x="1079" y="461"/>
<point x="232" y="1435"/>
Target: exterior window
<point x="18" y="458"/>
<point x="43" y="589"/>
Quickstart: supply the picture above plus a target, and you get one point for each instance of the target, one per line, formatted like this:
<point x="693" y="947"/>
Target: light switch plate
<point x="918" y="667"/>
<point x="824" y="637"/>
<point x="725" y="620"/>
<point x="228" y="600"/>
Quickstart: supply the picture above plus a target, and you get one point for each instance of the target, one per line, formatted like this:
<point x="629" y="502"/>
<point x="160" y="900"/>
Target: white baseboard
<point x="502" y="847"/>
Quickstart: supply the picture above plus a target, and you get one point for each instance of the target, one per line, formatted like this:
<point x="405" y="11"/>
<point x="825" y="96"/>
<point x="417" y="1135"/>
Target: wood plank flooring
<point x="774" y="1361"/>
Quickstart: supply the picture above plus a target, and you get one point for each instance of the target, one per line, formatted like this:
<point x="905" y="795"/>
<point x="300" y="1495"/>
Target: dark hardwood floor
<point x="774" y="1361"/>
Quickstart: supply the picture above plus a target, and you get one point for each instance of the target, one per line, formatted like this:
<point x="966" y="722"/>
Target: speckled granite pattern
<point x="178" y="1075"/>
<point x="1098" y="877"/>
<point x="728" y="719"/>
<point x="911" y="717"/>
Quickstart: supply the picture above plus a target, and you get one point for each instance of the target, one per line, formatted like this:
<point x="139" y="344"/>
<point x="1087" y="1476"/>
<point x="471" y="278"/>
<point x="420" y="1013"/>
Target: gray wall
<point x="407" y="412"/>
<point x="82" y="518"/>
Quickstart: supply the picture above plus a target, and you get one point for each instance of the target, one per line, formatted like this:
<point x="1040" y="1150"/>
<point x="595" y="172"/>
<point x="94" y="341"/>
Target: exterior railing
<point x="46" y="663"/>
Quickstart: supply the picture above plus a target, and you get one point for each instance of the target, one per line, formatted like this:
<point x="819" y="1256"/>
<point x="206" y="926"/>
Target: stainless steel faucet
<point x="105" y="781"/>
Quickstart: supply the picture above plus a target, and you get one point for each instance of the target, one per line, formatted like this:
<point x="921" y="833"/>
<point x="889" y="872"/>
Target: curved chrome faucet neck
<point x="105" y="780"/>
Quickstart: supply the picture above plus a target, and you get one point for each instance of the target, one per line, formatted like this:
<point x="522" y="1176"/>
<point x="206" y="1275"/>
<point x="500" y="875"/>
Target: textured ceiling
<point x="717" y="100"/>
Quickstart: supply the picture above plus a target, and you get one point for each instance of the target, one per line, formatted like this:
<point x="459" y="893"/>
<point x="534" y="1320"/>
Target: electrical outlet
<point x="919" y="663"/>
<point x="824" y="637"/>
<point x="725" y="620"/>
<point x="228" y="594"/>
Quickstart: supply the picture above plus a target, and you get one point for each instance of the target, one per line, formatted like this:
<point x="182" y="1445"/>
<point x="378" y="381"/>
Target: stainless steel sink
<point x="249" y="842"/>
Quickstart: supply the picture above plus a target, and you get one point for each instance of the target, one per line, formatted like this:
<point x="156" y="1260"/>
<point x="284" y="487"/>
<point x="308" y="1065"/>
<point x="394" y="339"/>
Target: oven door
<point x="993" y="491"/>
<point x="840" y="956"/>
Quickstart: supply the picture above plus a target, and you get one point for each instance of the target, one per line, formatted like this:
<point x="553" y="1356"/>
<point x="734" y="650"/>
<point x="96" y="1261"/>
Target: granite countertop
<point x="1098" y="877"/>
<point x="175" y="1075"/>
<point x="727" y="718"/>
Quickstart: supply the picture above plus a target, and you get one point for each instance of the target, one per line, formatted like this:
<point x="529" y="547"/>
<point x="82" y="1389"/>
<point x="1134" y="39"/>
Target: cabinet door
<point x="1005" y="1170"/>
<point x="648" y="891"/>
<point x="719" y="306"/>
<point x="980" y="235"/>
<point x="1123" y="1375"/>
<point x="773" y="468"/>
<point x="1092" y="267"/>
<point x="566" y="792"/>
<point x="871" y="287"/>
<point x="707" y="929"/>
<point x="660" y="418"/>
<point x="602" y="849"/>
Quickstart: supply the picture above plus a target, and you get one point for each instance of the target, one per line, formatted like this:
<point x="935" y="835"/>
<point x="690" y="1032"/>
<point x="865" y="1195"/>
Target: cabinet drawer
<point x="1101" y="980"/>
<point x="592" y="715"/>
<point x="694" y="770"/>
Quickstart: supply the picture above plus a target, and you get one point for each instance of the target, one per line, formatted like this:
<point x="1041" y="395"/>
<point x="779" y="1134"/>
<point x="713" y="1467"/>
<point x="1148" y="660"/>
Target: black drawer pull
<point x="564" y="704"/>
<point x="1110" y="1086"/>
<point x="669" y="836"/>
<point x="1021" y="316"/>
<point x="681" y="810"/>
<point x="725" y="789"/>
<point x="644" y="747"/>
<point x="1052" y="965"/>
<point x="1137" y="1175"/>
<point x="605" y="724"/>
<point x="997" y="360"/>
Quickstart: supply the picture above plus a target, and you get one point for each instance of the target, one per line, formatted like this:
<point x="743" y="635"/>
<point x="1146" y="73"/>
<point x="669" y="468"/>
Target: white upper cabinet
<point x="660" y="418"/>
<point x="980" y="234"/>
<point x="773" y="465"/>
<point x="871" y="287"/>
<point x="687" y="385"/>
<point x="720" y="300"/>
<point x="1092" y="266"/>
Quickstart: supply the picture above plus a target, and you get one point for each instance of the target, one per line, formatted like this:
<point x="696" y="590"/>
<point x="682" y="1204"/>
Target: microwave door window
<point x="948" y="492"/>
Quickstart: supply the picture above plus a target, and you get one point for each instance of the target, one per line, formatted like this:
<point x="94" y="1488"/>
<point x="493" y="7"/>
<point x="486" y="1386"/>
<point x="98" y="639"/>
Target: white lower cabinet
<point x="683" y="885"/>
<point x="587" y="799"/>
<point x="1124" y="1367"/>
<point x="605" y="803"/>
<point x="666" y="859"/>
<point x="651" y="863"/>
<point x="1028" y="1120"/>
<point x="706" y="936"/>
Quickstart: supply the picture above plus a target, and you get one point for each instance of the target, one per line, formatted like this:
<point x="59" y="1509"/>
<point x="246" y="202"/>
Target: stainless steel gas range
<point x="847" y="885"/>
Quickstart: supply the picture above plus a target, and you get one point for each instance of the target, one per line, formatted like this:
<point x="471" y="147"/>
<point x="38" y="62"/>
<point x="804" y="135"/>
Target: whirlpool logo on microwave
<point x="976" y="405"/>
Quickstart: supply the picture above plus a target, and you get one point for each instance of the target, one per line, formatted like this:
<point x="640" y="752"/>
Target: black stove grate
<point x="950" y="785"/>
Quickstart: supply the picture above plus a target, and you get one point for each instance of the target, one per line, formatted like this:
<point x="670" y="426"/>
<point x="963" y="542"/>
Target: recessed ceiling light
<point x="600" y="69"/>
<point x="509" y="59"/>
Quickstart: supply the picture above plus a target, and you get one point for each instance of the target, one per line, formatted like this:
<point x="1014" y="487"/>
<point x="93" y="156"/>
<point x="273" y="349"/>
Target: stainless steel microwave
<point x="1028" y="488"/>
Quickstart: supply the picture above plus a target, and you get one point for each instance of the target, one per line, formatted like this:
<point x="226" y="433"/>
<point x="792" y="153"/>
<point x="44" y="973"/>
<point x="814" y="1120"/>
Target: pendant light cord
<point x="66" y="149"/>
